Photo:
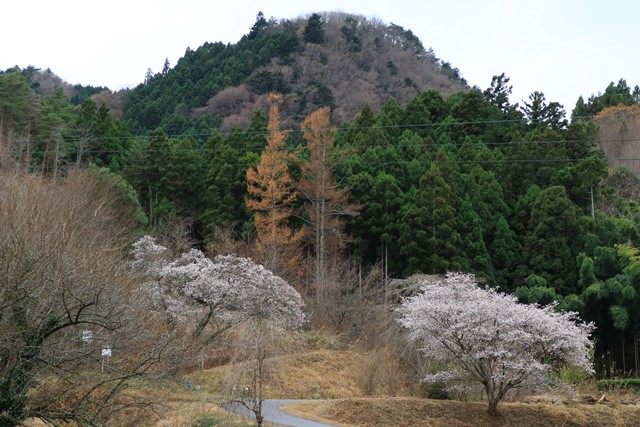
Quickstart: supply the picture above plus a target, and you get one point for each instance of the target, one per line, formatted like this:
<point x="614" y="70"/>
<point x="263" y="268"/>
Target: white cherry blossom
<point x="489" y="338"/>
<point x="228" y="286"/>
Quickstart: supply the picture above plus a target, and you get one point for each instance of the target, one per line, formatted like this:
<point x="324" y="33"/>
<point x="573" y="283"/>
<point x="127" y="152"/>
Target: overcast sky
<point x="565" y="48"/>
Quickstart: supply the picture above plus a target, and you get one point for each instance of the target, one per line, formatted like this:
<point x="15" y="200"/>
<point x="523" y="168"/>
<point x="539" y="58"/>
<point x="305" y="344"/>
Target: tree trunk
<point x="493" y="407"/>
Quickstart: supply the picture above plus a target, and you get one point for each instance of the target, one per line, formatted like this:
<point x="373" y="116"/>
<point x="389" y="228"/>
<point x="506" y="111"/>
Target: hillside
<point x="619" y="131"/>
<point x="46" y="83"/>
<point x="348" y="62"/>
<point x="169" y="248"/>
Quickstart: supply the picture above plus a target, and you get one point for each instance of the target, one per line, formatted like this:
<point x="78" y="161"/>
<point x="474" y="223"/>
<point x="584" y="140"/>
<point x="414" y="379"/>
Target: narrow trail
<point x="273" y="414"/>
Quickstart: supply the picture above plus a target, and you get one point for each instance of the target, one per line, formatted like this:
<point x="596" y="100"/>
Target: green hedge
<point x="632" y="384"/>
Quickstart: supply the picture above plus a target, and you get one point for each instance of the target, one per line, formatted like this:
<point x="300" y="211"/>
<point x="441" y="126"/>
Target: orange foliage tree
<point x="326" y="203"/>
<point x="272" y="193"/>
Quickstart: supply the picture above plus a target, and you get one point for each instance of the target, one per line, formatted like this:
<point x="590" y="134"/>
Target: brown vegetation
<point x="229" y="101"/>
<point x="113" y="100"/>
<point x="326" y="207"/>
<point x="66" y="294"/>
<point x="321" y="374"/>
<point x="619" y="135"/>
<point x="407" y="411"/>
<point x="271" y="197"/>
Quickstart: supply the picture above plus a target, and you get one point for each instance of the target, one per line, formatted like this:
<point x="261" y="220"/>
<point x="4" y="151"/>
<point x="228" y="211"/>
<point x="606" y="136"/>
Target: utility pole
<point x="360" y="280"/>
<point x="386" y="274"/>
<point x="593" y="210"/>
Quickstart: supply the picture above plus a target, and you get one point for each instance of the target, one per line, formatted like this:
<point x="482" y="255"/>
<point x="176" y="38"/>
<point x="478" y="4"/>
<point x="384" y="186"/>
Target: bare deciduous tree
<point x="67" y="301"/>
<point x="253" y="345"/>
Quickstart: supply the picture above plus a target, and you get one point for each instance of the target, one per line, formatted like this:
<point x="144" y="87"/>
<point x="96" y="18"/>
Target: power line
<point x="333" y="128"/>
<point x="428" y="162"/>
<point x="423" y="145"/>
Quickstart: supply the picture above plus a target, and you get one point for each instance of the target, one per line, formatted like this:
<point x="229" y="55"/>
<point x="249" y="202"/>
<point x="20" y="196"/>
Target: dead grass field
<point x="167" y="404"/>
<point x="407" y="411"/>
<point x="345" y="377"/>
<point x="321" y="374"/>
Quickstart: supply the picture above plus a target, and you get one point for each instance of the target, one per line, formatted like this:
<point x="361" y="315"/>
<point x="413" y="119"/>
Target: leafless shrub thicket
<point x="74" y="326"/>
<point x="113" y="100"/>
<point x="253" y="345"/>
<point x="48" y="83"/>
<point x="619" y="131"/>
<point x="227" y="102"/>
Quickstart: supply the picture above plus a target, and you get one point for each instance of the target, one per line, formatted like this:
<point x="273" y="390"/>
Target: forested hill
<point x="526" y="198"/>
<point x="47" y="83"/>
<point x="334" y="59"/>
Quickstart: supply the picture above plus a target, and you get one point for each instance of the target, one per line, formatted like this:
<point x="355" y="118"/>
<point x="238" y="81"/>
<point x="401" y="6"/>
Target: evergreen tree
<point x="428" y="107"/>
<point x="151" y="172"/>
<point x="588" y="166"/>
<point x="505" y="254"/>
<point x="85" y="129"/>
<point x="498" y="94"/>
<point x="551" y="230"/>
<point x="165" y="67"/>
<point x="53" y="148"/>
<point x="430" y="240"/>
<point x="473" y="245"/>
<point x="15" y="100"/>
<point x="226" y="185"/>
<point x="587" y="271"/>
<point x="148" y="76"/>
<point x="258" y="26"/>
<point x="540" y="113"/>
<point x="487" y="199"/>
<point x="314" y="30"/>
<point x="376" y="226"/>
<point x="114" y="140"/>
<point x="580" y="110"/>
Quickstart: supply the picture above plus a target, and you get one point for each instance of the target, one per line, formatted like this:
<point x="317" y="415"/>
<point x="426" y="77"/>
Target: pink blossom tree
<point x="224" y="290"/>
<point x="488" y="338"/>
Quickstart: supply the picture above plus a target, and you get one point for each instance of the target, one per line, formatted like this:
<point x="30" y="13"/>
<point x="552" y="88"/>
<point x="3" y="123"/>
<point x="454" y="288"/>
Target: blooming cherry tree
<point x="227" y="291"/>
<point x="228" y="287"/>
<point x="489" y="338"/>
<point x="148" y="255"/>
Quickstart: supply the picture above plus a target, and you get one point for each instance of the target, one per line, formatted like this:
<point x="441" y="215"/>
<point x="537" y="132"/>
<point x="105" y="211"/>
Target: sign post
<point x="106" y="354"/>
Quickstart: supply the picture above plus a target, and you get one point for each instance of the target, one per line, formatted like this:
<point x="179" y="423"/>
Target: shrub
<point x="436" y="390"/>
<point x="207" y="421"/>
<point x="631" y="384"/>
<point x="573" y="375"/>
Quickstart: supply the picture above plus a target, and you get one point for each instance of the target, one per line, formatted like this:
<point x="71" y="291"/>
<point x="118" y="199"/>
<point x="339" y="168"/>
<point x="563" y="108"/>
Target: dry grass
<point x="173" y="405"/>
<point x="194" y="412"/>
<point x="321" y="374"/>
<point x="406" y="411"/>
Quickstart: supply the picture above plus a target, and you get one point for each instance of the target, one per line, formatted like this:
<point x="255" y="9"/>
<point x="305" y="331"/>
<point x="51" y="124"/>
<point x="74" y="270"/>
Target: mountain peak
<point x="331" y="58"/>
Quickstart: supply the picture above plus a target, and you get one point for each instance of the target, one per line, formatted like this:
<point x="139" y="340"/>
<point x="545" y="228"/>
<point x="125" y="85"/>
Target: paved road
<point x="272" y="413"/>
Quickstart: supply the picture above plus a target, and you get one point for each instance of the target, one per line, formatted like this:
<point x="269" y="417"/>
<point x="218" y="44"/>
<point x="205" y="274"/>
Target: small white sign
<point x="87" y="336"/>
<point x="106" y="351"/>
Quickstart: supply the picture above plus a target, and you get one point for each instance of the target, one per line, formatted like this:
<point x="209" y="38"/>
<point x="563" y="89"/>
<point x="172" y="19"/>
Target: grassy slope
<point x="321" y="374"/>
<point x="406" y="411"/>
<point x="342" y="375"/>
